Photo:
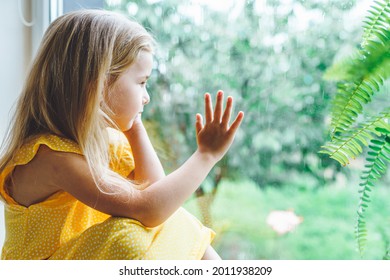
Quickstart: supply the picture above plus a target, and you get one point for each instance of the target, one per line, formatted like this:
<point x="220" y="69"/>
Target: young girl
<point x="78" y="175"/>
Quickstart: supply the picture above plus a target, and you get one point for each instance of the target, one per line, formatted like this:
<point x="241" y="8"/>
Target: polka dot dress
<point x="61" y="227"/>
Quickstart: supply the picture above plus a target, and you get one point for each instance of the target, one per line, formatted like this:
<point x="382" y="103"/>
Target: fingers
<point x="217" y="114"/>
<point x="237" y="122"/>
<point x="228" y="111"/>
<point x="208" y="108"/>
<point x="218" y="106"/>
<point x="199" y="123"/>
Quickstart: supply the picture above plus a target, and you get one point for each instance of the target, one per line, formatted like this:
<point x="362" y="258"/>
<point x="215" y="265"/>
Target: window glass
<point x="273" y="196"/>
<point x="71" y="5"/>
<point x="271" y="56"/>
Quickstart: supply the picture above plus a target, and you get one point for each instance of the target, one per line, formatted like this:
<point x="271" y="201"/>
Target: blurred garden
<point x="278" y="194"/>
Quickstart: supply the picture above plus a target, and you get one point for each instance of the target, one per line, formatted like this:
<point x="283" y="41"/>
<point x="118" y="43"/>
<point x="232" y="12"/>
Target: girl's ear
<point x="108" y="85"/>
<point x="108" y="80"/>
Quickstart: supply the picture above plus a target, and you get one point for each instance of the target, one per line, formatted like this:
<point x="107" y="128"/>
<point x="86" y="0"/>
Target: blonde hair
<point x="81" y="55"/>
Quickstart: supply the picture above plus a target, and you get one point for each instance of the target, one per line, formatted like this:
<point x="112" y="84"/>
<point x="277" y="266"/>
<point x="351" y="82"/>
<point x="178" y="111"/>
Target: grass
<point x="326" y="233"/>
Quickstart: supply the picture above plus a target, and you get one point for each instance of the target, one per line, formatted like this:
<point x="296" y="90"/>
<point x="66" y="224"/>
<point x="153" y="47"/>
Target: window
<point x="271" y="55"/>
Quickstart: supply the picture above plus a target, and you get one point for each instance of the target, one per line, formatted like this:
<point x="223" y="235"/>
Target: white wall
<point x="15" y="56"/>
<point x="18" y="44"/>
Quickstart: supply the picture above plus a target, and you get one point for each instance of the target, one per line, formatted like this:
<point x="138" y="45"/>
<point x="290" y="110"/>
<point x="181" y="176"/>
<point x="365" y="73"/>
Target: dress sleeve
<point x="122" y="160"/>
<point x="28" y="151"/>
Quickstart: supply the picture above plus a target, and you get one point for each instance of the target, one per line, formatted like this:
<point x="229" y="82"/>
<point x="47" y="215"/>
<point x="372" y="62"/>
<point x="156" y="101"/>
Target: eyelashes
<point x="144" y="84"/>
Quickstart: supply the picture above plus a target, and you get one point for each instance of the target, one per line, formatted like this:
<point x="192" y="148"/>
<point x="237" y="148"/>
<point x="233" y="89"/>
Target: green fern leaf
<point x="364" y="72"/>
<point x="379" y="152"/>
<point x="373" y="56"/>
<point x="378" y="18"/>
<point x="347" y="105"/>
<point x="350" y="143"/>
<point x="382" y="130"/>
<point x="361" y="76"/>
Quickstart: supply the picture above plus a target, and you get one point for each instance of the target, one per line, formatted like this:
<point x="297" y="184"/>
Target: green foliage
<point x="349" y="144"/>
<point x="377" y="22"/>
<point x="269" y="57"/>
<point x="377" y="160"/>
<point x="363" y="75"/>
<point x="362" y="78"/>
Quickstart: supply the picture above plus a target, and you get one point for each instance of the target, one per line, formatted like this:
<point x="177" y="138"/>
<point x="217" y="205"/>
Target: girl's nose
<point x="146" y="98"/>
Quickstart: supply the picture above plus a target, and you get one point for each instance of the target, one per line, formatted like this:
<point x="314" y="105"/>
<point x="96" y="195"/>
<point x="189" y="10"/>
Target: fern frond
<point x="378" y="158"/>
<point x="375" y="47"/>
<point x="364" y="72"/>
<point x="374" y="58"/>
<point x="367" y="72"/>
<point x="349" y="101"/>
<point x="376" y="22"/>
<point x="361" y="76"/>
<point x="350" y="144"/>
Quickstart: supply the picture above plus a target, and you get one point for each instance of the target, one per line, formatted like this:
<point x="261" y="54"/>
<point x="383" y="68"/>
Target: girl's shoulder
<point x="50" y="161"/>
<point x="56" y="143"/>
<point x="27" y="178"/>
<point x="118" y="145"/>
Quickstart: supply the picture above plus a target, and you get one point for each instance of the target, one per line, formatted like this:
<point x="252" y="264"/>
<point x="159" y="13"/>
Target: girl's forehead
<point x="143" y="64"/>
<point x="144" y="60"/>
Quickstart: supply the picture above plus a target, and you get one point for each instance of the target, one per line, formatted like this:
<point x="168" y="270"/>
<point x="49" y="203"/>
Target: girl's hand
<point x="137" y="121"/>
<point x="135" y="125"/>
<point x="216" y="135"/>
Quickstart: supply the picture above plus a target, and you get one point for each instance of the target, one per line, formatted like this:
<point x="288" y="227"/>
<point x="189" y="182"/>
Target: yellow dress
<point x="61" y="227"/>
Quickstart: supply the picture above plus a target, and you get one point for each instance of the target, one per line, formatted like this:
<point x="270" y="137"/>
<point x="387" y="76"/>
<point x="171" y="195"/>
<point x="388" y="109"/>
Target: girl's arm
<point x="148" y="168"/>
<point x="153" y="205"/>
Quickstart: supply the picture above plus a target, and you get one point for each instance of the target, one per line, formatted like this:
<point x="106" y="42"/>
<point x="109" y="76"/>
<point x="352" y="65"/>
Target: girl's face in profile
<point x="129" y="95"/>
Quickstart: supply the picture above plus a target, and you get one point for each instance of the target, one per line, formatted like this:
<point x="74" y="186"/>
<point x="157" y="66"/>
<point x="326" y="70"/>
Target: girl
<point x="78" y="175"/>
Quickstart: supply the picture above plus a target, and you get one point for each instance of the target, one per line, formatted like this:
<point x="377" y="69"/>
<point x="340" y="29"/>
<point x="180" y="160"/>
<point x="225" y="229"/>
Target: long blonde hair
<point x="81" y="55"/>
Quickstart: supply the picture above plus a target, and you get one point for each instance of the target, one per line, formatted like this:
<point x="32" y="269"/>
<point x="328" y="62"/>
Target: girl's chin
<point x="124" y="126"/>
<point x="127" y="126"/>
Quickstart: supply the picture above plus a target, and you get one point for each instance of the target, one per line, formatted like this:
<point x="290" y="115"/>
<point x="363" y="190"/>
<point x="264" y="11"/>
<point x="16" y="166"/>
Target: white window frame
<point x="45" y="11"/>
